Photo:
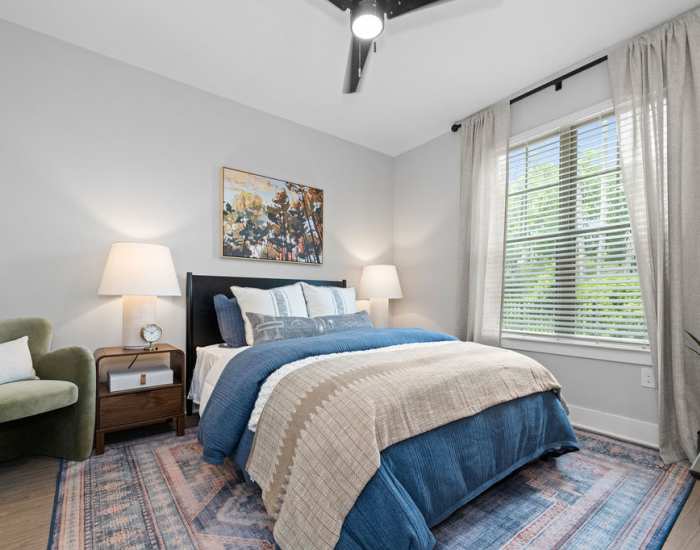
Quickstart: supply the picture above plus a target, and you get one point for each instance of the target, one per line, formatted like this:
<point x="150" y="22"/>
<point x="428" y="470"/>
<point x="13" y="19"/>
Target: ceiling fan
<point x="367" y="23"/>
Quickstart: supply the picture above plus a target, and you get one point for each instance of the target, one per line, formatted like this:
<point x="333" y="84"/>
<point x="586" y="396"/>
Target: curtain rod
<point x="556" y="82"/>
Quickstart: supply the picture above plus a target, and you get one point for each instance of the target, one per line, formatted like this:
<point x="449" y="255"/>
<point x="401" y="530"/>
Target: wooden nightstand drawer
<point x="141" y="406"/>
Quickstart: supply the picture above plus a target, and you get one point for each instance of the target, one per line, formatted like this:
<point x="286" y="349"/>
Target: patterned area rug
<point x="158" y="493"/>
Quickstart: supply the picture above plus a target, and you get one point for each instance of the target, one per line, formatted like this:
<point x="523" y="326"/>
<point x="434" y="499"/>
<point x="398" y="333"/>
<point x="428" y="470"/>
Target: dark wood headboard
<point x="202" y="326"/>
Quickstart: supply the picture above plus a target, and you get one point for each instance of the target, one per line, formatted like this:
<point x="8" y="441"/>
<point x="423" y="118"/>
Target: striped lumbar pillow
<point x="283" y="301"/>
<point x="267" y="328"/>
<point x="328" y="300"/>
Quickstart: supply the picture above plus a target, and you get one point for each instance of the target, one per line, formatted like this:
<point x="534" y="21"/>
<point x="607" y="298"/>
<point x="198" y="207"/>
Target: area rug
<point x="158" y="493"/>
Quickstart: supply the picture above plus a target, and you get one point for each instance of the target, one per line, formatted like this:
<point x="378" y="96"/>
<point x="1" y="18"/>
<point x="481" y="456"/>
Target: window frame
<point x="578" y="346"/>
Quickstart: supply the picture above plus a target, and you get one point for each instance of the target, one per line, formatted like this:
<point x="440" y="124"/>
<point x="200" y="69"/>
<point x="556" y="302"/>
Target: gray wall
<point x="93" y="151"/>
<point x="426" y="225"/>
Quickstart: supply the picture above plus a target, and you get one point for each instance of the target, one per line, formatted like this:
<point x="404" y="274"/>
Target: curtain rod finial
<point x="456" y="127"/>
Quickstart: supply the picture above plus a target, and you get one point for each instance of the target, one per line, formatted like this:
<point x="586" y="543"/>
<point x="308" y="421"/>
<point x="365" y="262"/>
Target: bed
<point x="418" y="480"/>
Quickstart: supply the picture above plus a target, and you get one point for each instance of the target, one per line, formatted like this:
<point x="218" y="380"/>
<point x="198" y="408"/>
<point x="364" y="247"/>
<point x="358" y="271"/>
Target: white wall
<point x="602" y="394"/>
<point x="426" y="237"/>
<point x="590" y="87"/>
<point x="94" y="151"/>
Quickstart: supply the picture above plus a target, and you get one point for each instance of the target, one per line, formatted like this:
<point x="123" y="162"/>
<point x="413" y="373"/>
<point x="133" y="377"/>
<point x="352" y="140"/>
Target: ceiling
<point x="288" y="57"/>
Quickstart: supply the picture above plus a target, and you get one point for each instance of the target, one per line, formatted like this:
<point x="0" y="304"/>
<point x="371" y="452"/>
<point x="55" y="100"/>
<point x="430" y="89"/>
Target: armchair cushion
<point x="30" y="397"/>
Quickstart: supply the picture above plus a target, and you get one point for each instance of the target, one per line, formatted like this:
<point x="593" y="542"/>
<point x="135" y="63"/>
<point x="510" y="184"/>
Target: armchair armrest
<point x="69" y="432"/>
<point x="74" y="364"/>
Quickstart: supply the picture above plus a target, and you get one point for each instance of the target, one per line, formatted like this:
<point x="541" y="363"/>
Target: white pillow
<point x="16" y="361"/>
<point x="329" y="300"/>
<point x="283" y="301"/>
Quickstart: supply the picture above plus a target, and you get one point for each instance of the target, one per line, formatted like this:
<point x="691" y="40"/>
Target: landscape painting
<point x="269" y="219"/>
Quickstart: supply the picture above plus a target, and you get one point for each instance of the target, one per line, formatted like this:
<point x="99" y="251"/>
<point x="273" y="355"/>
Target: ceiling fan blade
<point x="359" y="51"/>
<point x="342" y="4"/>
<point x="395" y="8"/>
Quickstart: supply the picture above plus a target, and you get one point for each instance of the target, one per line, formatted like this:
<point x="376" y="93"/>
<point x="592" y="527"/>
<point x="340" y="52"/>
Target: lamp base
<point x="379" y="312"/>
<point x="137" y="312"/>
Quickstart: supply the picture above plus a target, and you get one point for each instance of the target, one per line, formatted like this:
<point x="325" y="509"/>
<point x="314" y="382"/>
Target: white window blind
<point x="570" y="269"/>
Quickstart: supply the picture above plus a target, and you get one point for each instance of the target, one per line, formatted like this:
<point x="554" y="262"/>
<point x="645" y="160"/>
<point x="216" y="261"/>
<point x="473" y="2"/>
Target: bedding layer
<point x="320" y="436"/>
<point x="211" y="361"/>
<point x="227" y="413"/>
<point x="421" y="480"/>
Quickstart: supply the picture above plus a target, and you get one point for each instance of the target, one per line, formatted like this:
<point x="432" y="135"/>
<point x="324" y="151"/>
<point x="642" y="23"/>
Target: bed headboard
<point x="202" y="326"/>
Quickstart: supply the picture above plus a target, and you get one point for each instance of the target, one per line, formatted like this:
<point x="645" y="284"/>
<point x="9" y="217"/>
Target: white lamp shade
<point x="380" y="281"/>
<point x="138" y="269"/>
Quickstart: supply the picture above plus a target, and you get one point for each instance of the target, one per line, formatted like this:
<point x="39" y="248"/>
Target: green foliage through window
<point x="570" y="267"/>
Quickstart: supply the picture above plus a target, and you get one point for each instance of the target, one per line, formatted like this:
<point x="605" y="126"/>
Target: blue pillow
<point x="228" y="314"/>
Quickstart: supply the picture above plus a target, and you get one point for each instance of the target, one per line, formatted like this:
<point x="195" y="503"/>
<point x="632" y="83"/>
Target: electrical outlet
<point x="648" y="378"/>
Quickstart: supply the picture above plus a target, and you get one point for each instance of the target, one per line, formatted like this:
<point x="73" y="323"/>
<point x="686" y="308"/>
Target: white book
<point x="139" y="378"/>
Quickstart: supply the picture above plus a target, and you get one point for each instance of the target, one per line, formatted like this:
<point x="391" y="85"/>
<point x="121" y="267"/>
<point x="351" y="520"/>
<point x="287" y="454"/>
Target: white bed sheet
<point x="211" y="361"/>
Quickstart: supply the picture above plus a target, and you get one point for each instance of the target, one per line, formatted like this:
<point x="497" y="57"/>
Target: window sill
<point x="569" y="347"/>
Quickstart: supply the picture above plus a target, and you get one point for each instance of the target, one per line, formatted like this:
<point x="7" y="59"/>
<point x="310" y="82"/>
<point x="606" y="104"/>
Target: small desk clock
<point x="151" y="334"/>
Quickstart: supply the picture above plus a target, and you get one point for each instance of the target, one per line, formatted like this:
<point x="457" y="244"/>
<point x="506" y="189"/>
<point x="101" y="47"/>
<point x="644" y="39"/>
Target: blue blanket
<point x="422" y="480"/>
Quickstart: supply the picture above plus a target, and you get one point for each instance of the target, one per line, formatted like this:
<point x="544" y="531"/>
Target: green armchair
<point x="55" y="415"/>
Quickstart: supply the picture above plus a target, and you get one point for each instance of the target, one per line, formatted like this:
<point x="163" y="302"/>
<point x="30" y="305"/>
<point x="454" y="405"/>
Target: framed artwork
<point x="269" y="219"/>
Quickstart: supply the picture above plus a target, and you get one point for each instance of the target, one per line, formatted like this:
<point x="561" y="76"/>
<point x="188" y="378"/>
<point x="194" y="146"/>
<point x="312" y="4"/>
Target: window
<point x="570" y="269"/>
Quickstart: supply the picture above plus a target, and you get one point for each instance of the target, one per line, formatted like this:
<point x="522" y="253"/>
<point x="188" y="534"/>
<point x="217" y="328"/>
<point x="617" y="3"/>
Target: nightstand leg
<point x="180" y="425"/>
<point x="99" y="442"/>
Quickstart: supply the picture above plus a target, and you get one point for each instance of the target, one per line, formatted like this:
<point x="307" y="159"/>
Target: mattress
<point x="211" y="361"/>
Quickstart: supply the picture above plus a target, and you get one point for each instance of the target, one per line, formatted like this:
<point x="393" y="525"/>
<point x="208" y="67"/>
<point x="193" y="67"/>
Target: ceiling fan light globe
<point x="367" y="26"/>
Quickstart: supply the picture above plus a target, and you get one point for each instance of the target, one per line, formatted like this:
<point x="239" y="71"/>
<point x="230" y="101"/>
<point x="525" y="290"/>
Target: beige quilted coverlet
<point x="320" y="435"/>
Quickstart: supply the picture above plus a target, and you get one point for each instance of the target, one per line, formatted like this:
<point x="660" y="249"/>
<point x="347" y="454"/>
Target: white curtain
<point x="483" y="203"/>
<point x="656" y="90"/>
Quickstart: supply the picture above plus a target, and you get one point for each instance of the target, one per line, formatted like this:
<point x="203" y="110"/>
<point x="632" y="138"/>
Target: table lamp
<point x="379" y="284"/>
<point x="139" y="273"/>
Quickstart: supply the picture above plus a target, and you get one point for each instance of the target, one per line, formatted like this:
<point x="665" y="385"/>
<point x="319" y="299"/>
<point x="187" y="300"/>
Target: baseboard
<point x="613" y="425"/>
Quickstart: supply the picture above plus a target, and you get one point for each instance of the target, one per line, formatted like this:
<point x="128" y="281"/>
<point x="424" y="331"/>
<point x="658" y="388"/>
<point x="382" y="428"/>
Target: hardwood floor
<point x="686" y="532"/>
<point x="26" y="501"/>
<point x="27" y="490"/>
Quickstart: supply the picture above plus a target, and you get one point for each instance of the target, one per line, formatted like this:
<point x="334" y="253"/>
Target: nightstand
<point x="122" y="410"/>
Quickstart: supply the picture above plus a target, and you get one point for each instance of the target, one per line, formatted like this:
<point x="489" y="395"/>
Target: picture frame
<point x="270" y="219"/>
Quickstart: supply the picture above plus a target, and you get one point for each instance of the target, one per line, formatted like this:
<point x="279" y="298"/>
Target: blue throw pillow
<point x="228" y="314"/>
